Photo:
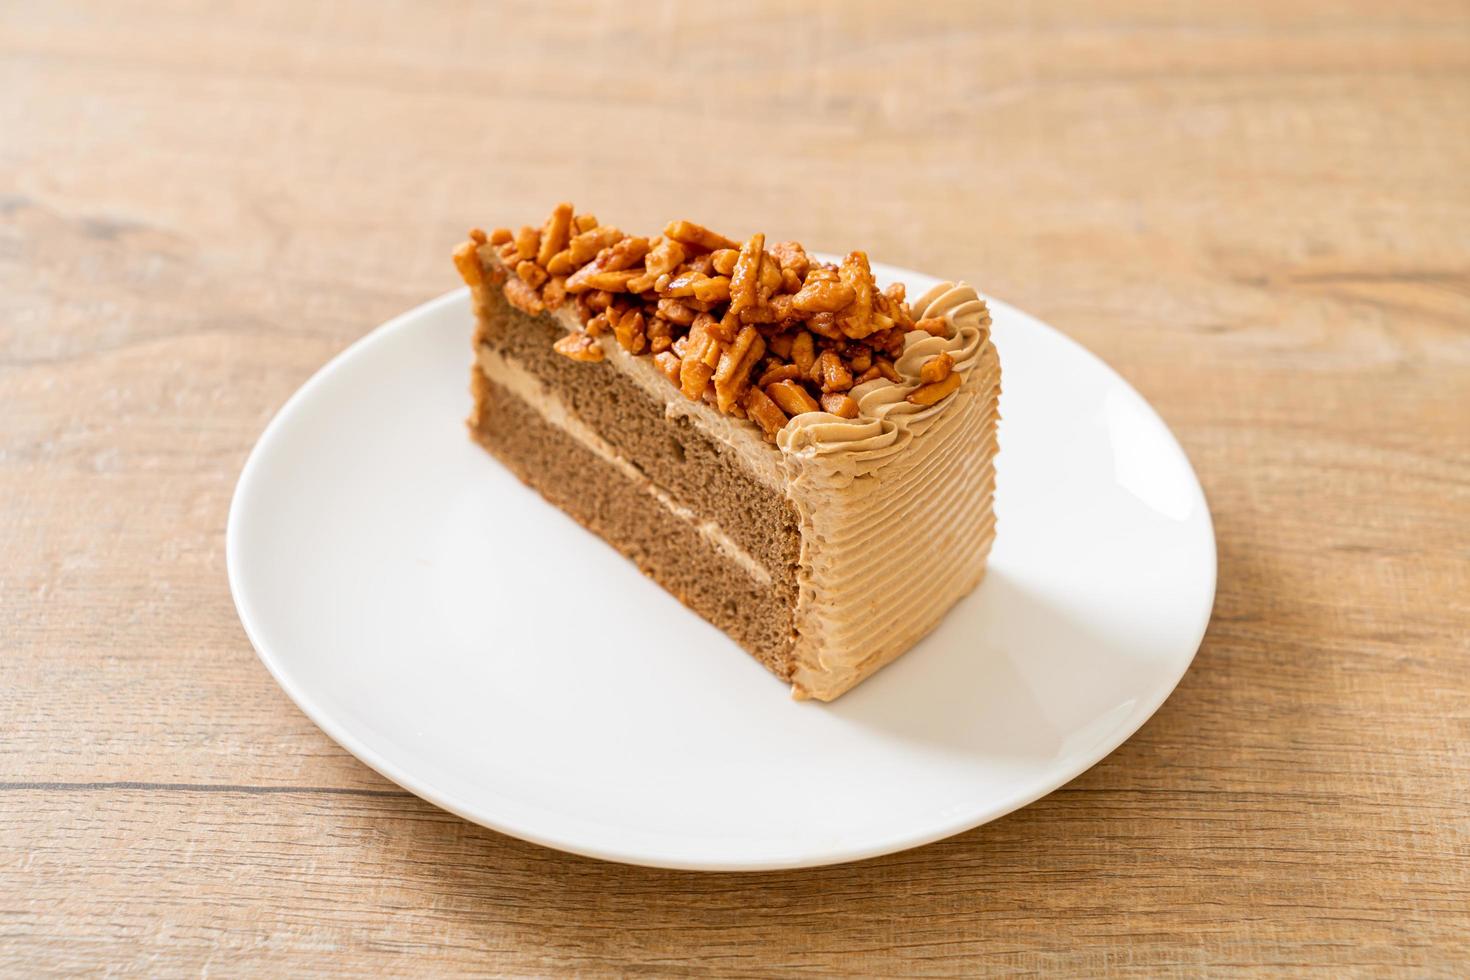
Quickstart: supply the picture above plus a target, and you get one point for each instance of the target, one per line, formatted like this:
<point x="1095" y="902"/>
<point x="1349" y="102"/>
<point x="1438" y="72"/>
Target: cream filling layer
<point x="530" y="389"/>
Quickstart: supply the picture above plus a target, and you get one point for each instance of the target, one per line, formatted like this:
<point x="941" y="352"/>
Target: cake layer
<point x="696" y="471"/>
<point x="634" y="516"/>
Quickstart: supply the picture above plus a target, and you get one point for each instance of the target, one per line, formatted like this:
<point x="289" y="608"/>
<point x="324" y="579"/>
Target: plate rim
<point x="843" y="854"/>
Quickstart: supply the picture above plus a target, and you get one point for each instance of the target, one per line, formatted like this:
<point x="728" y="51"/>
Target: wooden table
<point x="1258" y="211"/>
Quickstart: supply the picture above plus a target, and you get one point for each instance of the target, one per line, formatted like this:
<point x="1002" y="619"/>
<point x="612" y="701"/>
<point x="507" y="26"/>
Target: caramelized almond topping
<point x="630" y="332"/>
<point x="579" y="347"/>
<point x="554" y="235"/>
<point x="779" y="372"/>
<point x="792" y="397"/>
<point x="840" y="405"/>
<point x="668" y="363"/>
<point x="836" y="376"/>
<point x="522" y="296"/>
<point x="937" y="368"/>
<point x="531" y="273"/>
<point x="932" y="393"/>
<point x="528" y="240"/>
<point x="697" y="235"/>
<point x="761" y="333"/>
<point x="766" y="413"/>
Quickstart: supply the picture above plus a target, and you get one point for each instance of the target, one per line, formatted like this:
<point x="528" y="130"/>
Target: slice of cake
<point x="804" y="459"/>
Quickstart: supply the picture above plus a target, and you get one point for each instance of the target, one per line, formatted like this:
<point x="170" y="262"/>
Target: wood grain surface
<point x="1258" y="211"/>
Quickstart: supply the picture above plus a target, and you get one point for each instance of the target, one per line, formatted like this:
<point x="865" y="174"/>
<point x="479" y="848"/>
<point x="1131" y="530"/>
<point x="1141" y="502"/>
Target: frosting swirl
<point x="886" y="419"/>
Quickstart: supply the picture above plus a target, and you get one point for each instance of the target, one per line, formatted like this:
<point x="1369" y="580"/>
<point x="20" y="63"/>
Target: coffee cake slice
<point x="800" y="457"/>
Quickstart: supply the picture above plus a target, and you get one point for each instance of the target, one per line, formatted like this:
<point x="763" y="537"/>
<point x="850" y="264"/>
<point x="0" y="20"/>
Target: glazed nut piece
<point x="629" y="329"/>
<point x="759" y="333"/>
<point x="699" y="286"/>
<point x="931" y="394"/>
<point x="889" y="342"/>
<point x="591" y="277"/>
<point x="824" y="325"/>
<point x="701" y="355"/>
<point x="589" y="243"/>
<point x="745" y="276"/>
<point x="840" y="404"/>
<point x="803" y="351"/>
<point x="662" y="259"/>
<point x="823" y="292"/>
<point x="528" y="240"/>
<point x="780" y="344"/>
<point x="531" y="274"/>
<point x="779" y="372"/>
<point x="792" y="397"/>
<point x="579" y="347"/>
<point x="736" y="362"/>
<point x="769" y="277"/>
<point x="835" y="375"/>
<point x="522" y="296"/>
<point x="699" y="236"/>
<point x="555" y="235"/>
<point x="792" y="258"/>
<point x="713" y="289"/>
<point x="622" y="255"/>
<point x="856" y="320"/>
<point x="724" y="329"/>
<point x="467" y="262"/>
<point x="660" y="336"/>
<point x="764" y="412"/>
<point x="613" y="282"/>
<point x="676" y="312"/>
<point x="668" y="364"/>
<point x="937" y="368"/>
<point x="891" y="304"/>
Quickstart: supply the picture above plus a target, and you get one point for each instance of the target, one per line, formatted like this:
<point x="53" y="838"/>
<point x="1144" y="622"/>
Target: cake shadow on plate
<point x="1007" y="637"/>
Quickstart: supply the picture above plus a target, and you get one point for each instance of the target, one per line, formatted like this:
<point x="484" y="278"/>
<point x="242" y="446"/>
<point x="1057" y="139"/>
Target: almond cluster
<point x="760" y="333"/>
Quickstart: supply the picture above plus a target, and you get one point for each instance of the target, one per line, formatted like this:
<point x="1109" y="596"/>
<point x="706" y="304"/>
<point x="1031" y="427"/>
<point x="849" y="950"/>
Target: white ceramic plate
<point x="475" y="645"/>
